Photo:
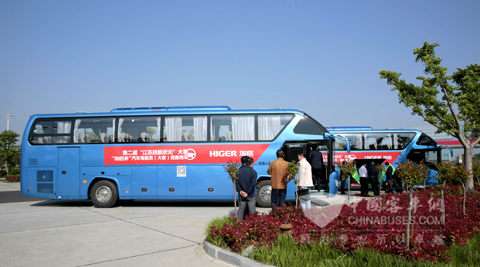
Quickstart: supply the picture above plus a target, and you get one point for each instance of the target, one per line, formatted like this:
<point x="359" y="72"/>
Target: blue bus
<point x="170" y="153"/>
<point x="391" y="145"/>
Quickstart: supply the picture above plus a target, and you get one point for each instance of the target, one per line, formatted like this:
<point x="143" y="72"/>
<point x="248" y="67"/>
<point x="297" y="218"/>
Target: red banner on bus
<point x="341" y="156"/>
<point x="180" y="154"/>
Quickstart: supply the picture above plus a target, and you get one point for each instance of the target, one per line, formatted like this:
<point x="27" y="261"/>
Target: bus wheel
<point x="104" y="194"/>
<point x="264" y="194"/>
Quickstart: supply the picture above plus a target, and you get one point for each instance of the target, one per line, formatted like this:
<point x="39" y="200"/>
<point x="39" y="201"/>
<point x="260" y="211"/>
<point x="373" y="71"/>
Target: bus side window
<point x="93" y="130"/>
<point x="401" y="140"/>
<point x="232" y="127"/>
<point x="269" y="126"/>
<point x="371" y="143"/>
<point x="51" y="132"/>
<point x="139" y="129"/>
<point x="185" y="128"/>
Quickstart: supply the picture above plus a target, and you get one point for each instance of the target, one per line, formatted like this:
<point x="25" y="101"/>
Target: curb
<point x="229" y="257"/>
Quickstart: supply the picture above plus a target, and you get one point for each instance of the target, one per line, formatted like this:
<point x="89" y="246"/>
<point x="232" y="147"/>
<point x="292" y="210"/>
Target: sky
<point x="323" y="57"/>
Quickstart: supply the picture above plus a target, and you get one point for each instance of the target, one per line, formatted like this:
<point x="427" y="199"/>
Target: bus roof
<point x="364" y="129"/>
<point x="181" y="110"/>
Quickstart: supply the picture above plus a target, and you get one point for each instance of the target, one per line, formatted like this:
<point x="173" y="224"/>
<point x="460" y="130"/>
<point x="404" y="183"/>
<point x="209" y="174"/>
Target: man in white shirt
<point x="304" y="180"/>
<point x="362" y="172"/>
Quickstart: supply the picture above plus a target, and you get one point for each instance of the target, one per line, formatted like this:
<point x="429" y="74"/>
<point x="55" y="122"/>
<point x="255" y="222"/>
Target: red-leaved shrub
<point x="13" y="178"/>
<point x="374" y="223"/>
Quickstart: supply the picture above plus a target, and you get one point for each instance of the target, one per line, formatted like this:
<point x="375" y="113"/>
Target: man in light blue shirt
<point x="362" y="172"/>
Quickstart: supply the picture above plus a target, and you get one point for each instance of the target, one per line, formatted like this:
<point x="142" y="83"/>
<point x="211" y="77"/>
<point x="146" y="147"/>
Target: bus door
<point x="292" y="149"/>
<point x="430" y="158"/>
<point x="68" y="181"/>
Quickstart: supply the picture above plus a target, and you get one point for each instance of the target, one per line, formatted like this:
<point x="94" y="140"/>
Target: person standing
<point x="278" y="171"/>
<point x="304" y="181"/>
<point x="315" y="158"/>
<point x="343" y="180"/>
<point x="373" y="178"/>
<point x="362" y="172"/>
<point x="389" y="174"/>
<point x="245" y="184"/>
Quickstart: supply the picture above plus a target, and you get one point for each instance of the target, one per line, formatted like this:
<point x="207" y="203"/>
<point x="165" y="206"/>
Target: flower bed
<point x="13" y="179"/>
<point x="377" y="224"/>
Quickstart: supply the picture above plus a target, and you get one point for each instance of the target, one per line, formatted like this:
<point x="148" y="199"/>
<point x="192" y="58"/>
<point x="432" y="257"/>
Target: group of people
<point x="370" y="176"/>
<point x="308" y="170"/>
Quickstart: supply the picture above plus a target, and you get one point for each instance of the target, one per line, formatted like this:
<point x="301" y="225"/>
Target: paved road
<point x="16" y="196"/>
<point x="43" y="232"/>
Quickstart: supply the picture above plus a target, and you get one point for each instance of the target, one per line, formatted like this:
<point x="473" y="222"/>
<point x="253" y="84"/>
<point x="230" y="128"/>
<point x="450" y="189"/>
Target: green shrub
<point x="14" y="171"/>
<point x="218" y="223"/>
<point x="3" y="173"/>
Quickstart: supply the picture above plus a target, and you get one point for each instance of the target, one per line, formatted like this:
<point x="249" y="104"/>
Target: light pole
<point x="8" y="116"/>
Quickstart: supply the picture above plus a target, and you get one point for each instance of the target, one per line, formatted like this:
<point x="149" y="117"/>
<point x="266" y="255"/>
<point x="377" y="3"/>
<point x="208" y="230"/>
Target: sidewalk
<point x="323" y="199"/>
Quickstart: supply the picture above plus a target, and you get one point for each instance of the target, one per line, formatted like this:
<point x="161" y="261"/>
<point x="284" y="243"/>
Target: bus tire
<point x="104" y="194"/>
<point x="264" y="193"/>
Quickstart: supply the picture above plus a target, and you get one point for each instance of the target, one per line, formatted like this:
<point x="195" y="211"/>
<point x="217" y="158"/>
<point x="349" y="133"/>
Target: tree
<point x="9" y="152"/>
<point x="444" y="176"/>
<point x="412" y="173"/>
<point x="347" y="169"/>
<point x="233" y="170"/>
<point x="454" y="110"/>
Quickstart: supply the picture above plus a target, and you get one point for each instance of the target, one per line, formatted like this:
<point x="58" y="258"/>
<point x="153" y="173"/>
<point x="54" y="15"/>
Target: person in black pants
<point x="373" y="178"/>
<point x="315" y="158"/>
<point x="245" y="185"/>
<point x="389" y="174"/>
<point x="342" y="184"/>
<point x="362" y="172"/>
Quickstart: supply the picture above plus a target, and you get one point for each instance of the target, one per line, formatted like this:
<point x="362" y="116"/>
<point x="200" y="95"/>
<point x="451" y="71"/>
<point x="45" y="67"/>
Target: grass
<point x="285" y="253"/>
<point x="8" y="182"/>
<point x="467" y="255"/>
<point x="218" y="222"/>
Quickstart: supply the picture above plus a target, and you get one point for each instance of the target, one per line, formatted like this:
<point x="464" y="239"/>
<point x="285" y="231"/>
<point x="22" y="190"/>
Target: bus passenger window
<point x="185" y="129"/>
<point x="401" y="140"/>
<point x="140" y="129"/>
<point x="51" y="132"/>
<point x="269" y="126"/>
<point x="356" y="142"/>
<point x="93" y="130"/>
<point x="232" y="128"/>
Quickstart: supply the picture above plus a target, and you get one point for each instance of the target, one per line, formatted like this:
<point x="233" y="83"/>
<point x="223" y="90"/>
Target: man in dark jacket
<point x="373" y="178"/>
<point x="389" y="175"/>
<point x="245" y="184"/>
<point x="315" y="158"/>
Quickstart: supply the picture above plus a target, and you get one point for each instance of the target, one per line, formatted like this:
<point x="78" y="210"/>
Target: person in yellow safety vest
<point x="390" y="170"/>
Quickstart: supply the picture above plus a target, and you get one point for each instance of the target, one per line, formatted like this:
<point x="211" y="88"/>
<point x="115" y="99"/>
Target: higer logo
<point x="223" y="153"/>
